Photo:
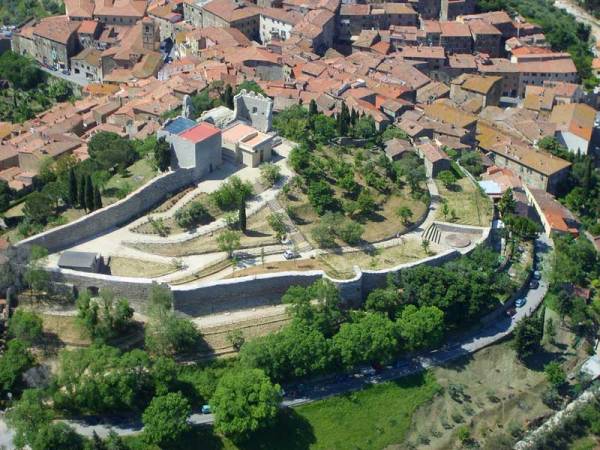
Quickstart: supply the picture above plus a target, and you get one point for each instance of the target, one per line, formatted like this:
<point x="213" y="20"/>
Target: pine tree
<point x="228" y="96"/>
<point x="312" y="108"/>
<point x="72" y="187"/>
<point x="81" y="193"/>
<point x="89" y="193"/>
<point x="242" y="215"/>
<point x="97" y="198"/>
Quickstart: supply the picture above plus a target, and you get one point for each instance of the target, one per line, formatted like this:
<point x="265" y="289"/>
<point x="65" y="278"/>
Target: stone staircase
<point x="433" y="233"/>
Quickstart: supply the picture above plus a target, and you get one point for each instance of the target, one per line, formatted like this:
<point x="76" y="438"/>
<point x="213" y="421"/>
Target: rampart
<point x="112" y="216"/>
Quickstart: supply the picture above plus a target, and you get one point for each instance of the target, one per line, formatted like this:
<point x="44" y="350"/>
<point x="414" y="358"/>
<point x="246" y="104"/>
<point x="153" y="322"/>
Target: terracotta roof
<point x="58" y="29"/>
<point x="200" y="132"/>
<point x="596" y="64"/>
<point x="230" y="11"/>
<point x="354" y="9"/>
<point x="291" y="17"/>
<point x="88" y="27"/>
<point x="431" y="153"/>
<point x="478" y="83"/>
<point x="491" y="139"/>
<point x="79" y="8"/>
<point x="558" y="217"/>
<point x="416" y="52"/>
<point x="482" y="27"/>
<point x="89" y="55"/>
<point x="445" y="112"/>
<point x="577" y="118"/>
<point x="125" y="8"/>
<point x="455" y="29"/>
<point x="552" y="66"/>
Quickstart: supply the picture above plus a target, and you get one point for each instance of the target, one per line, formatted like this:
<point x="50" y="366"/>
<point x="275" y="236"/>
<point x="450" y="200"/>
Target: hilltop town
<point x="302" y="199"/>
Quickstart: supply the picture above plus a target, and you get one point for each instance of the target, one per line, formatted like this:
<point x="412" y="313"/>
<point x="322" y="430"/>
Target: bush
<point x="350" y="232"/>
<point x="25" y="326"/>
<point x="270" y="173"/>
<point x="192" y="215"/>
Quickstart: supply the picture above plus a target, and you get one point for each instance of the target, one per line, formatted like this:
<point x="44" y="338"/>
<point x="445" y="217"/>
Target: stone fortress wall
<point x="114" y="215"/>
<point x="211" y="297"/>
<point x="255" y="109"/>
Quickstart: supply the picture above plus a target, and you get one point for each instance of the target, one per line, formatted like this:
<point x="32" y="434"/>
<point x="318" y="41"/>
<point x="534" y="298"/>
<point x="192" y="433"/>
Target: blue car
<point x="520" y="302"/>
<point x="206" y="409"/>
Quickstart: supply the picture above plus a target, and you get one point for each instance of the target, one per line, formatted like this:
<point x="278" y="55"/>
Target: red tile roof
<point x="200" y="132"/>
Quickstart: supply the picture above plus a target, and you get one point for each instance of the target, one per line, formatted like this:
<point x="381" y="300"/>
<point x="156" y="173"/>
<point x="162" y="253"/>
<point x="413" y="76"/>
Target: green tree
<point x="165" y="419"/>
<point x="320" y="196"/>
<point x="228" y="242"/>
<point x="317" y="305"/>
<point x="13" y="363"/>
<point x="38" y="208"/>
<point x="350" y="232"/>
<point x="276" y="222"/>
<point x="164" y="373"/>
<point x="242" y="216"/>
<point x="54" y="436"/>
<point x="421" y="327"/>
<point x="101" y="379"/>
<point x="343" y="120"/>
<point x="25" y="326"/>
<point x="162" y="154"/>
<point x="405" y="214"/>
<point x="555" y="374"/>
<point x="244" y="402"/>
<point x="366" y="202"/>
<point x="323" y="235"/>
<point x="109" y="150"/>
<point x="97" y="198"/>
<point x="312" y="108"/>
<point x="385" y="301"/>
<point x="103" y="319"/>
<point x="523" y="227"/>
<point x="27" y="416"/>
<point x="81" y="193"/>
<point x="447" y="178"/>
<point x="507" y="204"/>
<point x="192" y="215"/>
<point x="72" y="187"/>
<point x="228" y="96"/>
<point x="425" y="245"/>
<point x="6" y="195"/>
<point x="249" y="86"/>
<point x="527" y="337"/>
<point x="369" y="338"/>
<point x="296" y="351"/>
<point x="89" y="193"/>
<point x="20" y="71"/>
<point x="270" y="173"/>
<point x="35" y="276"/>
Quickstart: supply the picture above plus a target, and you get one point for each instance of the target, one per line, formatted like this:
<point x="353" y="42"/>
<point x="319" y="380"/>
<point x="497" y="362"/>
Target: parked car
<point x="520" y="302"/>
<point x="511" y="312"/>
<point x="537" y="275"/>
<point x="206" y="409"/>
<point x="290" y="254"/>
<point x="534" y="284"/>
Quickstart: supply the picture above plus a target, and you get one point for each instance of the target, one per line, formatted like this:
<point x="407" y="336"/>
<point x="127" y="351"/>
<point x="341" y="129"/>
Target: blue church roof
<point x="179" y="125"/>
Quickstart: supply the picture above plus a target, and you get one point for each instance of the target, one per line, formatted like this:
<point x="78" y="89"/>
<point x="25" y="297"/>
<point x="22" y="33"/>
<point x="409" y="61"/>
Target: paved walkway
<point x="309" y="392"/>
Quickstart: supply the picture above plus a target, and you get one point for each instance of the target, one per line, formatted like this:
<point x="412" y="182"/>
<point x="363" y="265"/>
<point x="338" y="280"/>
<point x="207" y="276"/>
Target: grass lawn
<point x="470" y="205"/>
<point x="369" y="419"/>
<point x="258" y="233"/>
<point x="64" y="328"/>
<point x="139" y="173"/>
<point x="131" y="267"/>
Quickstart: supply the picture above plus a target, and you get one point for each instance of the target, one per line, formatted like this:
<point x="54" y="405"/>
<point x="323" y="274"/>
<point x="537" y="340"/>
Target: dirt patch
<point x="496" y="394"/>
<point x="469" y="204"/>
<point x="64" y="329"/>
<point x="131" y="267"/>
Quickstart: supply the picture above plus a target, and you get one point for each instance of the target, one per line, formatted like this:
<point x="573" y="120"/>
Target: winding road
<point x="493" y="331"/>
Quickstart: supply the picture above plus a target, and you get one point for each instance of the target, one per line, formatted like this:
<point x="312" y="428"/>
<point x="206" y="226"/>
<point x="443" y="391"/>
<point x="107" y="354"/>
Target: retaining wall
<point x="211" y="297"/>
<point x="115" y="215"/>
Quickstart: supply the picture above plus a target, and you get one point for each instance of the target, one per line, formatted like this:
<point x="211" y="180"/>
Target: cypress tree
<point x="89" y="193"/>
<point x="312" y="108"/>
<point x="242" y="215"/>
<point x="72" y="187"/>
<point x="97" y="198"/>
<point x="81" y="193"/>
<point x="228" y="96"/>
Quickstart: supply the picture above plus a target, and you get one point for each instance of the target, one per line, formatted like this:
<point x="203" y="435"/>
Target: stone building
<point x="276" y="23"/>
<point x="52" y="41"/>
<point x="353" y="18"/>
<point x="246" y="145"/>
<point x="232" y="14"/>
<point x="486" y="38"/>
<point x="435" y="159"/>
<point x="194" y="145"/>
<point x="254" y="109"/>
<point x="88" y="62"/>
<point x="120" y="12"/>
<point x="476" y="91"/>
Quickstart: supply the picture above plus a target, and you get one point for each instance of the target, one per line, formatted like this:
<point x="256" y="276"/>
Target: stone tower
<point x="148" y="34"/>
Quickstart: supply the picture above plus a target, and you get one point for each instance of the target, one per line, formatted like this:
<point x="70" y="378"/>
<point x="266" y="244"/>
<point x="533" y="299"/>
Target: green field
<point x="369" y="419"/>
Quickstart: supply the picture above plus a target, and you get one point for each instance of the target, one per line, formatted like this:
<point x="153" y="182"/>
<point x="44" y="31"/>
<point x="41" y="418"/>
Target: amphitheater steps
<point x="433" y="234"/>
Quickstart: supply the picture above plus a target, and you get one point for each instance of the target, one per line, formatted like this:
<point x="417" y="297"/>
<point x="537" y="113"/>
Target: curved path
<point x="490" y="333"/>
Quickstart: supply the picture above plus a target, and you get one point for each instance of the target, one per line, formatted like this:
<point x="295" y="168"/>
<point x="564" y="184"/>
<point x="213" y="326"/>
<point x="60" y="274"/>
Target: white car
<point x="520" y="302"/>
<point x="290" y="254"/>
